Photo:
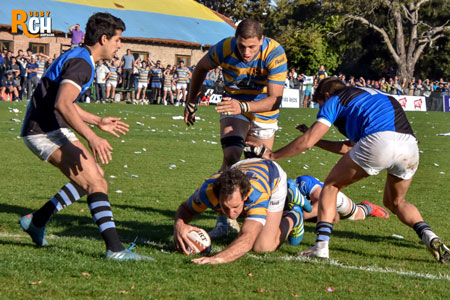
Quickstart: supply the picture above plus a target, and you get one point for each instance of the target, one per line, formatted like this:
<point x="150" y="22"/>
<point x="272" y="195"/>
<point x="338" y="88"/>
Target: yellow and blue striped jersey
<point x="168" y="80"/>
<point x="156" y="73"/>
<point x="143" y="74"/>
<point x="41" y="68"/>
<point x="113" y="73"/>
<point x="264" y="179"/>
<point x="248" y="80"/>
<point x="182" y="75"/>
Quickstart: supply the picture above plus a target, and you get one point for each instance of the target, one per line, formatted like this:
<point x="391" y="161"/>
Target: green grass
<point x="366" y="261"/>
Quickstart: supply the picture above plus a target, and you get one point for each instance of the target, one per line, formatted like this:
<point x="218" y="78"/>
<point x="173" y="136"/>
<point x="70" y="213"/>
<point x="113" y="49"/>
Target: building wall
<point x="165" y="53"/>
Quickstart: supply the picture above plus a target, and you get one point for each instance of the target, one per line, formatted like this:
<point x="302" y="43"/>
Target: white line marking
<point x="360" y="268"/>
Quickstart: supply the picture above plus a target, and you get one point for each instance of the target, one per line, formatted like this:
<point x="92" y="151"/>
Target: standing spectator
<point x="41" y="62"/>
<point x="418" y="91"/>
<point x="156" y="73"/>
<point x="77" y="35"/>
<point x="294" y="73"/>
<point x="322" y="73"/>
<point x="101" y="71"/>
<point x="361" y="82"/>
<point x="308" y="82"/>
<point x="427" y="87"/>
<point x="112" y="79"/>
<point x="351" y="81"/>
<point x="16" y="68"/>
<point x="32" y="79"/>
<point x="183" y="75"/>
<point x="143" y="72"/>
<point x="167" y="88"/>
<point x="127" y="69"/>
<point x="411" y="87"/>
<point x="8" y="90"/>
<point x="49" y="62"/>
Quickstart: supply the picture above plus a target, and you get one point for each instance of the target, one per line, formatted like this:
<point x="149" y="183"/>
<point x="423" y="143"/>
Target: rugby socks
<point x="366" y="209"/>
<point x="103" y="217"/>
<point x="67" y="195"/>
<point x="323" y="231"/>
<point x="221" y="220"/>
<point x="351" y="213"/>
<point x="295" y="217"/>
<point x="420" y="228"/>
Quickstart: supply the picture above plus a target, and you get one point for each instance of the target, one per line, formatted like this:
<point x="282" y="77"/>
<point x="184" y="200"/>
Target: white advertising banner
<point x="412" y="103"/>
<point x="291" y="98"/>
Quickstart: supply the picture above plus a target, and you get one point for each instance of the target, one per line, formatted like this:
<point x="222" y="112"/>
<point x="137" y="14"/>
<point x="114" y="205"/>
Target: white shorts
<point x="181" y="86"/>
<point x="276" y="202"/>
<point x="167" y="89"/>
<point x="43" y="145"/>
<point x="142" y="85"/>
<point x="112" y="83"/>
<point x="396" y="152"/>
<point x="259" y="130"/>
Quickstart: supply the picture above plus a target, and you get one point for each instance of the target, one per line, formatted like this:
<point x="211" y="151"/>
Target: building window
<point x="185" y="58"/>
<point x="143" y="55"/>
<point x="6" y="45"/>
<point x="65" y="48"/>
<point x="39" y="48"/>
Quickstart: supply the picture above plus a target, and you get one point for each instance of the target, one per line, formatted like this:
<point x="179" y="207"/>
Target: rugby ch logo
<point x="38" y="25"/>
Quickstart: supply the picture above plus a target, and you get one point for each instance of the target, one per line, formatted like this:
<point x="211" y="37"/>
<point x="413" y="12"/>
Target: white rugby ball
<point x="200" y="240"/>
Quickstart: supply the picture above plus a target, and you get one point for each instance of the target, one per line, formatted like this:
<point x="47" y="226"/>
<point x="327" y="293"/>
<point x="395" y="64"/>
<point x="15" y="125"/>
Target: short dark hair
<point x="249" y="28"/>
<point x="100" y="24"/>
<point x="328" y="85"/>
<point x="229" y="180"/>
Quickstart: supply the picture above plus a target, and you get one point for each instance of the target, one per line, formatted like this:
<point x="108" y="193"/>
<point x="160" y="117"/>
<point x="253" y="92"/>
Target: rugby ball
<point x="200" y="240"/>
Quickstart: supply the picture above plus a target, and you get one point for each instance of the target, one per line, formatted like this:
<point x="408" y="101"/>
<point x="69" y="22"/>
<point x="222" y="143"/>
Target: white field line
<point x="336" y="263"/>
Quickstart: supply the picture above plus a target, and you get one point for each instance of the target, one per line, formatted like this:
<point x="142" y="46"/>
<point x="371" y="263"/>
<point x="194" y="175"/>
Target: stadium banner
<point x="412" y="103"/>
<point x="446" y="103"/>
<point x="291" y="98"/>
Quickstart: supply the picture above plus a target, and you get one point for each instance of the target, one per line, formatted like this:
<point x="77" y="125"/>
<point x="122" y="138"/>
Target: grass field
<point x="170" y="161"/>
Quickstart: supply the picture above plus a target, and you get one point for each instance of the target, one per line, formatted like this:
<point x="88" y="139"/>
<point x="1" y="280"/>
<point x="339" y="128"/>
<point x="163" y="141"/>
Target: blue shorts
<point x="156" y="84"/>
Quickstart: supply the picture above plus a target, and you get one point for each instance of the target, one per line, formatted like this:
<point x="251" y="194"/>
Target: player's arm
<point x="338" y="147"/>
<point x="297" y="146"/>
<point x="67" y="93"/>
<point x="181" y="227"/>
<point x="244" y="243"/>
<point x="198" y="76"/>
<point x="271" y="102"/>
<point x="107" y="124"/>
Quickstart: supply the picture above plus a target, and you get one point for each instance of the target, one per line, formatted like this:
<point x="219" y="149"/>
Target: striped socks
<point x="67" y="195"/>
<point x="323" y="231"/>
<point x="103" y="217"/>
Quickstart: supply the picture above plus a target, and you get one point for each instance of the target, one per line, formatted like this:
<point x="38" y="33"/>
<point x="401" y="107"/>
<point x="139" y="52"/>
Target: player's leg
<point x="344" y="173"/>
<point x="184" y="95"/>
<point x="347" y="209"/>
<point x="108" y="90"/>
<point x="77" y="163"/>
<point x="233" y="131"/>
<point x="394" y="198"/>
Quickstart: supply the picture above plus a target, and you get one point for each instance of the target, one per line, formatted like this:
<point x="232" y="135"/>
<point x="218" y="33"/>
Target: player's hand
<point x="180" y="238"/>
<point x="189" y="113"/>
<point x="228" y="106"/>
<point x="303" y="128"/>
<point x="101" y="149"/>
<point x="254" y="150"/>
<point x="212" y="260"/>
<point x="113" y="125"/>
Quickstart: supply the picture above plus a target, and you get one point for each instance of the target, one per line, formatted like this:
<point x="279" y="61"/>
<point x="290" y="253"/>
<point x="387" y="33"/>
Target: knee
<point x="97" y="184"/>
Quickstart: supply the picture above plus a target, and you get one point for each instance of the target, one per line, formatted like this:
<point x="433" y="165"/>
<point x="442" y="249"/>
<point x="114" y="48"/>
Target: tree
<point x="301" y="28"/>
<point x="238" y="10"/>
<point x="410" y="26"/>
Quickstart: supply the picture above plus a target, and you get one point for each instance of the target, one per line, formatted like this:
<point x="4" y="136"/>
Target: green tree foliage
<point x="301" y="28"/>
<point x="240" y="9"/>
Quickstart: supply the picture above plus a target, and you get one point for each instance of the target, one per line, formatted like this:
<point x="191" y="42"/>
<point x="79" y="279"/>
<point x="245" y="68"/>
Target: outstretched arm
<point x="243" y="244"/>
<point x="338" y="147"/>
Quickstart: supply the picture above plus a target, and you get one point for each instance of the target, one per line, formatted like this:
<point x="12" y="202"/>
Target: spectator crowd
<point x="146" y="81"/>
